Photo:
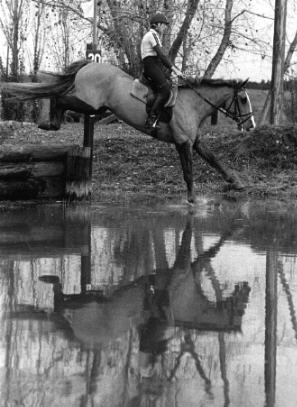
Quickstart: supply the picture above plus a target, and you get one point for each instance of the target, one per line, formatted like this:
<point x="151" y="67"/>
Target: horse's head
<point x="239" y="107"/>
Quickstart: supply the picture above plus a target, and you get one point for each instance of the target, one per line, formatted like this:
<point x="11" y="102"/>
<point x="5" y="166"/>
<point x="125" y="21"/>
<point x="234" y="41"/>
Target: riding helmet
<point x="158" y="18"/>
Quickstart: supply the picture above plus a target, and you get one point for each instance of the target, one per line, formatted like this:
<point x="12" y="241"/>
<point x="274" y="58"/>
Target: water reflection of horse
<point x="172" y="297"/>
<point x="92" y="88"/>
<point x="163" y="308"/>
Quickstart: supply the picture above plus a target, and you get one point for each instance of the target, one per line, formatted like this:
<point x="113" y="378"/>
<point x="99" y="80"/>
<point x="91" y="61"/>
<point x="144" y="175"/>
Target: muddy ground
<point x="127" y="163"/>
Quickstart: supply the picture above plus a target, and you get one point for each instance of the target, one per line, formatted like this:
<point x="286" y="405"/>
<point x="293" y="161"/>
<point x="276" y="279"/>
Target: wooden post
<point x="89" y="138"/>
<point x="277" y="91"/>
<point x="79" y="166"/>
<point x="78" y="181"/>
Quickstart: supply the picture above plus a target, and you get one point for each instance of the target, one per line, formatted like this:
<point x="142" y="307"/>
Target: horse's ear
<point x="242" y="85"/>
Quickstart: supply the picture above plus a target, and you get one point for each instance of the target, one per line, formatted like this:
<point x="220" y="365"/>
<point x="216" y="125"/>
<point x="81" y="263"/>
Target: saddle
<point x="142" y="90"/>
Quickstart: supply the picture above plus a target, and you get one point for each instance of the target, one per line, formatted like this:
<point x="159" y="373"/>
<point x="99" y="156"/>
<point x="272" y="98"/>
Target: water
<point x="117" y="306"/>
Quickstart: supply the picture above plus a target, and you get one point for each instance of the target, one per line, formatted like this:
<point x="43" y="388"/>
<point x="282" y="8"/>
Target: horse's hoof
<point x="44" y="126"/>
<point x="48" y="126"/>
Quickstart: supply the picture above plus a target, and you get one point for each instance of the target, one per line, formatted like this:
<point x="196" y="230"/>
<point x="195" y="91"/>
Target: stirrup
<point x="155" y="123"/>
<point x="153" y="120"/>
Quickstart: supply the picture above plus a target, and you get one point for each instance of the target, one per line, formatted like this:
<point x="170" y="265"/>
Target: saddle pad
<point x="139" y="91"/>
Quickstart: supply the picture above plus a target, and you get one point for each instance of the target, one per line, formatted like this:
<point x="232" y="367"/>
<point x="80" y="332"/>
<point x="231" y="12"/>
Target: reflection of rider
<point x="154" y="61"/>
<point x="153" y="341"/>
<point x="152" y="334"/>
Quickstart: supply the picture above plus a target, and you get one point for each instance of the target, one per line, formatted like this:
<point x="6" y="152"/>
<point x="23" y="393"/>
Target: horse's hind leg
<point x="185" y="152"/>
<point x="211" y="159"/>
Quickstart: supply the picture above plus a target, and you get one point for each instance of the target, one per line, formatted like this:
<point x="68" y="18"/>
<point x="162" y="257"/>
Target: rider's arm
<point x="164" y="58"/>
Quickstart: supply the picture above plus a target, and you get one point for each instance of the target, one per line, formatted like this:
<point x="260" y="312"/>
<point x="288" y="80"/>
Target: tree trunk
<point x="37" y="53"/>
<point x="224" y="43"/>
<point x="190" y="13"/>
<point x="266" y="107"/>
<point x="15" y="40"/>
<point x="277" y="90"/>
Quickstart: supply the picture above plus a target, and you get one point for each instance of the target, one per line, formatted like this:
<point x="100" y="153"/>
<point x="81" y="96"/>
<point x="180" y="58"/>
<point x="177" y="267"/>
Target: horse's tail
<point x="28" y="91"/>
<point x="58" y="84"/>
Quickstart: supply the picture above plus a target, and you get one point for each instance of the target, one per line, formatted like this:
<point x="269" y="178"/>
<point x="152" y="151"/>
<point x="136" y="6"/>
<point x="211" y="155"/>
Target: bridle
<point x="234" y="113"/>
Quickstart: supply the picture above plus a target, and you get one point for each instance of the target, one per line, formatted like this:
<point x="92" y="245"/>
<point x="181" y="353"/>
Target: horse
<point x="92" y="88"/>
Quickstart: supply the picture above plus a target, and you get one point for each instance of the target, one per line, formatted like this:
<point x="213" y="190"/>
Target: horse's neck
<point x="210" y="98"/>
<point x="216" y="95"/>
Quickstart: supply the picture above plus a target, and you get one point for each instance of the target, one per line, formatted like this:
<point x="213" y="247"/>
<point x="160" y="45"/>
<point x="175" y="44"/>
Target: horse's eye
<point x="243" y="99"/>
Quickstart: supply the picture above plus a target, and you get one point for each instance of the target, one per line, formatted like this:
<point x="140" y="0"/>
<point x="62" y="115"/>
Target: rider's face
<point x="161" y="27"/>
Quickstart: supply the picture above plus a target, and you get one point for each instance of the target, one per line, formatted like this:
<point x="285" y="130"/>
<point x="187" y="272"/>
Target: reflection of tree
<point x="270" y="326"/>
<point x="274" y="267"/>
<point x="9" y="329"/>
<point x="160" y="248"/>
<point x="93" y="363"/>
<point x="287" y="291"/>
<point x="133" y="251"/>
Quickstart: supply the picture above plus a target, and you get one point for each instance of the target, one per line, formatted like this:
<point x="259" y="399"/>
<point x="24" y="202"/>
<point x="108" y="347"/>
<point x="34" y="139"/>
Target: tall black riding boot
<point x="152" y="120"/>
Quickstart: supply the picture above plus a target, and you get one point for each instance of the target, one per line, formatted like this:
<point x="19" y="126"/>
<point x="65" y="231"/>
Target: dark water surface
<point x="114" y="306"/>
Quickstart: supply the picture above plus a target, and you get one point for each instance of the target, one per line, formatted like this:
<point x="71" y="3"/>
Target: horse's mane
<point x="214" y="83"/>
<point x="60" y="84"/>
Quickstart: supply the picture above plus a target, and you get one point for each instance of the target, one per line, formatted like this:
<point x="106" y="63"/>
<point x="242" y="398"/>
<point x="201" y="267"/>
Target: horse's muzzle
<point x="252" y="126"/>
<point x="248" y="125"/>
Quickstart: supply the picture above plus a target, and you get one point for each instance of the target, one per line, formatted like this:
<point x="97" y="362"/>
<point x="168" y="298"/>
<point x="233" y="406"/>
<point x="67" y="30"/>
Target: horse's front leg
<point x="185" y="151"/>
<point x="229" y="176"/>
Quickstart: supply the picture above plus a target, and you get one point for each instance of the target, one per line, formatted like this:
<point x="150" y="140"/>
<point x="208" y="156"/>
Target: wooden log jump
<point x="45" y="172"/>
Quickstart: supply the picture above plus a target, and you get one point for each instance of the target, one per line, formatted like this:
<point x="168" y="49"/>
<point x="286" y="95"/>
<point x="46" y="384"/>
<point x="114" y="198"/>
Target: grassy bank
<point x="265" y="160"/>
<point x="127" y="163"/>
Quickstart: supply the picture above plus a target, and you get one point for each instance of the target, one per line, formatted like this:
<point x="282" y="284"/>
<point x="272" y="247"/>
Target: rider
<point x="154" y="60"/>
